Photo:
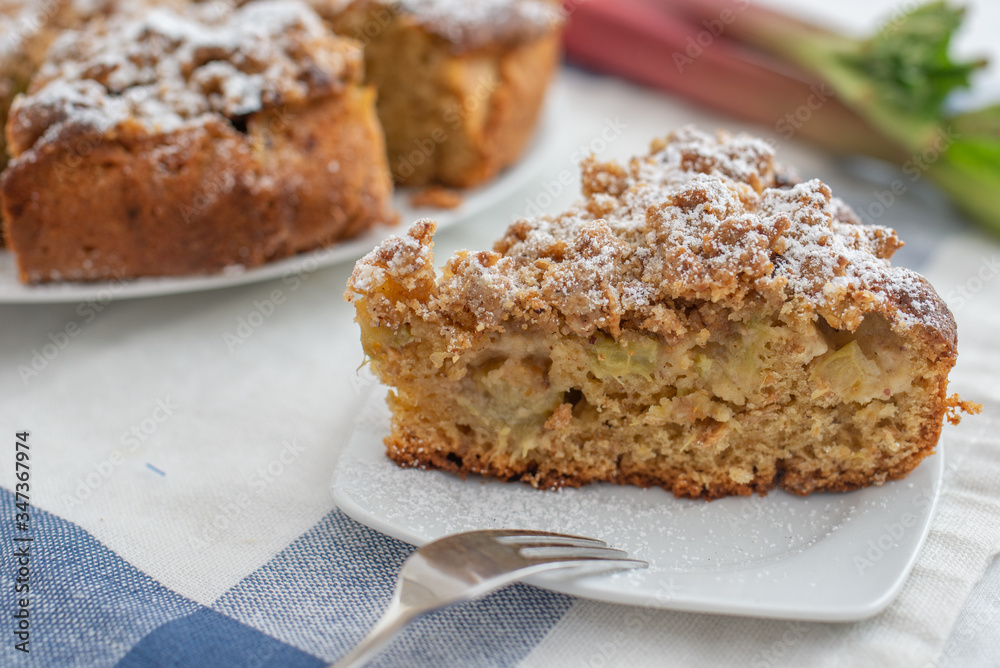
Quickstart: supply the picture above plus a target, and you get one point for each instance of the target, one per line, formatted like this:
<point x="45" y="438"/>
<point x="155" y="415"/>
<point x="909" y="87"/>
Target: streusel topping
<point x="164" y="71"/>
<point x="699" y="220"/>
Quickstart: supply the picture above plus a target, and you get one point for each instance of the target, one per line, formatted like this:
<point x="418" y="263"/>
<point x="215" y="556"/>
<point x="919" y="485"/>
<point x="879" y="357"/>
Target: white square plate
<point x="825" y="557"/>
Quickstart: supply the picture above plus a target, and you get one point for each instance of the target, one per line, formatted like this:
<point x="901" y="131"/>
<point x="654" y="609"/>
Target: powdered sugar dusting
<point x="701" y="222"/>
<point x="164" y="70"/>
<point x="402" y="256"/>
<point x="463" y="22"/>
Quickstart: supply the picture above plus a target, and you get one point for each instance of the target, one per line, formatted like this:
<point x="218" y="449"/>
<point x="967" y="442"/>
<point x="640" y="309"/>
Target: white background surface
<point x="285" y="397"/>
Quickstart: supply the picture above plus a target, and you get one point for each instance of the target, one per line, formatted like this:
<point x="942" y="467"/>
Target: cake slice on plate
<point x="699" y="321"/>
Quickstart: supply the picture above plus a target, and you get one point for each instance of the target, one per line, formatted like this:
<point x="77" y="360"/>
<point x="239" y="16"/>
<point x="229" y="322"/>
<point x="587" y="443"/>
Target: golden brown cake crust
<point x="187" y="145"/>
<point x="697" y="322"/>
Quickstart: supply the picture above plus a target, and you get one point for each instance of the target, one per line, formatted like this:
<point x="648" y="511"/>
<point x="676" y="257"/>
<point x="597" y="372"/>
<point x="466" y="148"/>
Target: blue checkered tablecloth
<point x="309" y="603"/>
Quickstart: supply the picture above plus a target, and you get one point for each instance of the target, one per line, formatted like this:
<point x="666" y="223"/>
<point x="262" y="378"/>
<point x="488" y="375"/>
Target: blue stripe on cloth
<point x="88" y="606"/>
<point x="207" y="638"/>
<point x="325" y="590"/>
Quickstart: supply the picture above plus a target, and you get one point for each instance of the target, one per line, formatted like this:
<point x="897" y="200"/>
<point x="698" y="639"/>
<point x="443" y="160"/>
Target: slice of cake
<point x="698" y="322"/>
<point x="460" y="83"/>
<point x="169" y="144"/>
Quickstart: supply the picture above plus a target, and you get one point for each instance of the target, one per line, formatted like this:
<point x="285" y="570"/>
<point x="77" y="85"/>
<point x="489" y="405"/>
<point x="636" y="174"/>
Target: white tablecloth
<point x="225" y="453"/>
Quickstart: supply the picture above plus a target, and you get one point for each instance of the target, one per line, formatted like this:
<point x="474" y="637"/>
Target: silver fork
<point x="468" y="565"/>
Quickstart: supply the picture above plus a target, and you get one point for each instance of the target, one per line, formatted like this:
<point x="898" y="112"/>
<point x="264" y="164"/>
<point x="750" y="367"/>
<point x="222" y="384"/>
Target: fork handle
<point x="395" y="617"/>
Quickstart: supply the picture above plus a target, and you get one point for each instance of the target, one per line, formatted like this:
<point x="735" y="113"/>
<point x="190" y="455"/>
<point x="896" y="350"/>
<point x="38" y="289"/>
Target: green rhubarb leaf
<point x="908" y="60"/>
<point x="911" y="74"/>
<point x="897" y="81"/>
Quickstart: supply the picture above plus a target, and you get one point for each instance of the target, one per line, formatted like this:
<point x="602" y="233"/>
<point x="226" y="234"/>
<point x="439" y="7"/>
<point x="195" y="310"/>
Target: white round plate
<point x="825" y="557"/>
<point x="12" y="291"/>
